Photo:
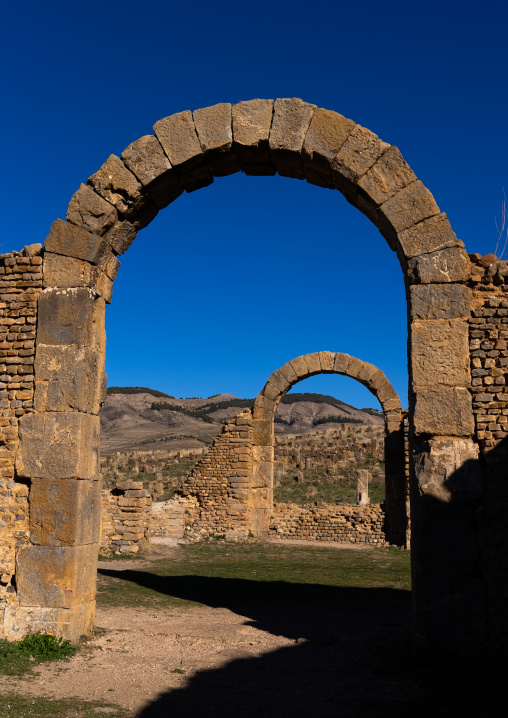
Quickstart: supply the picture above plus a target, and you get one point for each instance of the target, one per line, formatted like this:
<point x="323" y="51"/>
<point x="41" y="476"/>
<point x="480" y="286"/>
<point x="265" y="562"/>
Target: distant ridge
<point x="136" y="390"/>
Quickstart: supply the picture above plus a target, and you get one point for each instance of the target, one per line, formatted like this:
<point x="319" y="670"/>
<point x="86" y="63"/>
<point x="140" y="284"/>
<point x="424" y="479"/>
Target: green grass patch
<point x="221" y="573"/>
<point x="15" y="706"/>
<point x="18" y="657"/>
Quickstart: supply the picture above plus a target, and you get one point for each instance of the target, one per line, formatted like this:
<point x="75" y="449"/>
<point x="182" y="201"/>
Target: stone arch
<point x="53" y="443"/>
<point x="278" y="384"/>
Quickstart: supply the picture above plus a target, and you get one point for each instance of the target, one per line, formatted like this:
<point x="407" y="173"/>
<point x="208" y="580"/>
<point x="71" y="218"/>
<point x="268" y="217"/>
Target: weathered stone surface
<point x="262" y="477"/>
<point x="146" y="160"/>
<point x="71" y="571"/>
<point x="66" y="316"/>
<point x="279" y="380"/>
<point x="178" y="137"/>
<point x="449" y="469"/>
<point x="271" y="391"/>
<point x="354" y="367"/>
<point x="65" y="512"/>
<point x="111" y="266"/>
<point x="363" y="477"/>
<point x="327" y="361"/>
<point x="442" y="301"/>
<point x="62" y="445"/>
<point x="213" y="126"/>
<point x="299" y="366"/>
<point x="289" y="373"/>
<point x="386" y="177"/>
<point x="90" y="211"/>
<point x="252" y="121"/>
<point x="290" y="123"/>
<point x="116" y="184"/>
<point x="443" y="411"/>
<point x="67" y="623"/>
<point x="445" y="265"/>
<point x="262" y="403"/>
<point x="410" y="205"/>
<point x="262" y="431"/>
<point x="68" y="378"/>
<point x="121" y="236"/>
<point x="341" y="363"/>
<point x="67" y="272"/>
<point x="357" y="155"/>
<point x="313" y="363"/>
<point x="440" y="352"/>
<point x="71" y="241"/>
<point x="326" y="134"/>
<point x="367" y="373"/>
<point x="428" y="236"/>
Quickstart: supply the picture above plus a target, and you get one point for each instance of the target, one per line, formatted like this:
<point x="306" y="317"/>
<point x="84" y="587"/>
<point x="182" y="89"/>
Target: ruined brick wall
<point x="342" y="522"/>
<point x="489" y="379"/>
<point x="126" y="514"/>
<point x="221" y="480"/>
<point x="20" y="286"/>
<point x="175" y="518"/>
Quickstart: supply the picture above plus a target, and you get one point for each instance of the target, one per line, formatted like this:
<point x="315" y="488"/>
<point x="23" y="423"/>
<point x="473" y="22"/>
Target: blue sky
<point x="231" y="281"/>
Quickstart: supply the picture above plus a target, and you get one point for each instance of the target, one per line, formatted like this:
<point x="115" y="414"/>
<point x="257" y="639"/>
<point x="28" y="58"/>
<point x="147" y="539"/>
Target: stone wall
<point x="341" y="522"/>
<point x="20" y="286"/>
<point x="221" y="480"/>
<point x="126" y="518"/>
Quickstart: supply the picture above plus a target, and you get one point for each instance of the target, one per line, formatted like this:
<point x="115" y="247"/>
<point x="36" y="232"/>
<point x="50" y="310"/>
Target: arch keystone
<point x="291" y="120"/>
<point x="327" y="362"/>
<point x="313" y="363"/>
<point x="252" y="121"/>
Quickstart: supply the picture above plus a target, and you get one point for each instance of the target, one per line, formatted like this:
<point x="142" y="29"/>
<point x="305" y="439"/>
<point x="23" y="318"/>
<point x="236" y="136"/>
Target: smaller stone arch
<point x="279" y="382"/>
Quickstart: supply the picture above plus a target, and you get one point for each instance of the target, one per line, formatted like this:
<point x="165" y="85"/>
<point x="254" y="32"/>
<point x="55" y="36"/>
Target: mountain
<point x="139" y="418"/>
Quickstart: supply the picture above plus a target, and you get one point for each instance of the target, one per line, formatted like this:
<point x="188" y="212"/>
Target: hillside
<point x="142" y="418"/>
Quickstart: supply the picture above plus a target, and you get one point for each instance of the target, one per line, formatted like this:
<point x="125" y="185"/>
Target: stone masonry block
<point x="56" y="576"/>
<point x="386" y="177"/>
<point x="326" y="135"/>
<point x="289" y="373"/>
<point x="300" y="367"/>
<point x="377" y="381"/>
<point x="111" y="266"/>
<point x="66" y="316"/>
<point x="61" y="445"/>
<point x="67" y="272"/>
<point x="252" y="121"/>
<point x="341" y="363"/>
<point x="67" y="623"/>
<point x="385" y="392"/>
<point x="445" y="265"/>
<point x="327" y="361"/>
<point x="391" y="403"/>
<point x="428" y="236"/>
<point x="178" y="137"/>
<point x="262" y="432"/>
<point x="279" y="380"/>
<point x="214" y="127"/>
<point x="121" y="236"/>
<point x="146" y="160"/>
<point x="65" y="512"/>
<point x="440" y="301"/>
<point x="71" y="241"/>
<point x="262" y="403"/>
<point x="354" y="367"/>
<point x="357" y="155"/>
<point x="68" y="378"/>
<point x="90" y="211"/>
<point x="271" y="391"/>
<point x="443" y="411"/>
<point x="440" y="352"/>
<point x="410" y="205"/>
<point x="290" y="123"/>
<point x="116" y="184"/>
<point x="313" y="363"/>
<point x="366" y="374"/>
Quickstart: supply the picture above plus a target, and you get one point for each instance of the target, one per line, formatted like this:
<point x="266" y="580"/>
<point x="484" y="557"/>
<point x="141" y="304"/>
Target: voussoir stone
<point x="90" y="211"/>
<point x="300" y="367"/>
<point x="121" y="236"/>
<point x="440" y="301"/>
<point x="146" y="160"/>
<point x="428" y="236"/>
<point x="341" y="363"/>
<point x="251" y="121"/>
<point x="313" y="363"/>
<point x="68" y="378"/>
<point x="58" y="445"/>
<point x="366" y="374"/>
<point x="116" y="184"/>
<point x="358" y="153"/>
<point x="214" y="128"/>
<point x="289" y="373"/>
<point x="178" y="137"/>
<point x="407" y="207"/>
<point x="445" y="265"/>
<point x="65" y="512"/>
<point x="387" y="176"/>
<point x="326" y="135"/>
<point x="291" y="120"/>
<point x="72" y="570"/>
<point x="61" y="271"/>
<point x="327" y="361"/>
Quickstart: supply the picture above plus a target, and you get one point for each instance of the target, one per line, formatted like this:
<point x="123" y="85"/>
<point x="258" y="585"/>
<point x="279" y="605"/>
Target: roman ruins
<point x="53" y="300"/>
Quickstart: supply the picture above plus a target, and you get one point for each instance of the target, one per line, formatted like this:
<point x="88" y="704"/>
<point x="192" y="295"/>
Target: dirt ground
<point x="215" y="661"/>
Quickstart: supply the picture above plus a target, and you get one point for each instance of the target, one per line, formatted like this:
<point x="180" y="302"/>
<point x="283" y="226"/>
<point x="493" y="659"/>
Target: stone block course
<point x="251" y="124"/>
<point x="291" y="120"/>
<point x="214" y="129"/>
<point x="145" y="158"/>
<point x="90" y="211"/>
<point x="327" y="133"/>
<point x="66" y="316"/>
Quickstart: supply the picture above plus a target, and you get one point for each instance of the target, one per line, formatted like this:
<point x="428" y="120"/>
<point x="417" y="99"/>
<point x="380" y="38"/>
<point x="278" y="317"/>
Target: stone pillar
<point x="362" y="487"/>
